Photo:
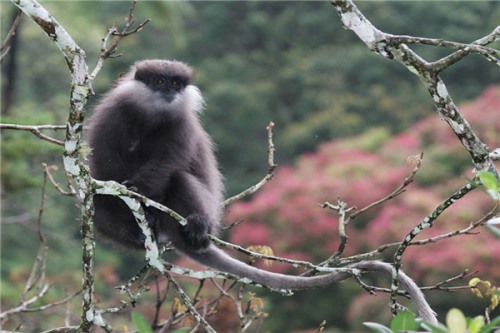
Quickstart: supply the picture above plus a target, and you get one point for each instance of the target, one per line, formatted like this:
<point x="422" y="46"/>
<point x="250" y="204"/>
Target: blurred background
<point x="346" y="121"/>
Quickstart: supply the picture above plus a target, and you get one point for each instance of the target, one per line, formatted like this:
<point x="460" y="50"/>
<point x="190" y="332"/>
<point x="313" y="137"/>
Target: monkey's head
<point x="162" y="85"/>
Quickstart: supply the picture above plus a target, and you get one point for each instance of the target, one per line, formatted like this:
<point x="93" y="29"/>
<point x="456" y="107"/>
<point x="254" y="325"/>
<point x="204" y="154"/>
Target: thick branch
<point x="426" y="223"/>
<point x="80" y="91"/>
<point x="376" y="40"/>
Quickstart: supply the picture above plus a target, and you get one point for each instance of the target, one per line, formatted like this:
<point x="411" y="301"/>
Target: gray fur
<point x="145" y="133"/>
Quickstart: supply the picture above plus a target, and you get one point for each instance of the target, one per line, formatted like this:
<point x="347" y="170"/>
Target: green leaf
<point x="376" y="327"/>
<point x="489" y="180"/>
<point x="491" y="183"/>
<point x="140" y="323"/>
<point x="455" y="320"/>
<point x="475" y="324"/>
<point x="435" y="328"/>
<point x="404" y="321"/>
<point x="493" y="324"/>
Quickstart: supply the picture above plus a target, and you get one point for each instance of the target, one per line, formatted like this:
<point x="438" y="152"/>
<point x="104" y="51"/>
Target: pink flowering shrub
<point x="286" y="214"/>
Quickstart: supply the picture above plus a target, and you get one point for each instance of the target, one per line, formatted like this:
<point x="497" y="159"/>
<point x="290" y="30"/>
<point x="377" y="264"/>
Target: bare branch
<point x="344" y="219"/>
<point x="426" y="223"/>
<point x="46" y="170"/>
<point x="36" y="130"/>
<point x="416" y="161"/>
<point x="113" y="38"/>
<point x="37" y="277"/>
<point x="5" y="47"/>
<point x="466" y="231"/>
<point x="495" y="154"/>
<point x="270" y="172"/>
<point x="187" y="302"/>
<point x="75" y="168"/>
<point x="463" y="275"/>
<point x="445" y="62"/>
<point x="376" y="40"/>
<point x="465" y="49"/>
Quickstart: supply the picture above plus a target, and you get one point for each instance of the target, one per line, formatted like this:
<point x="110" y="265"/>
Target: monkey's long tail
<point x="220" y="260"/>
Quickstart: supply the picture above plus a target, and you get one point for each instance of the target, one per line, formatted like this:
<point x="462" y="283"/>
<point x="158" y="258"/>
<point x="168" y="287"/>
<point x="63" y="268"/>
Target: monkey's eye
<point x="177" y="83"/>
<point x="160" y="81"/>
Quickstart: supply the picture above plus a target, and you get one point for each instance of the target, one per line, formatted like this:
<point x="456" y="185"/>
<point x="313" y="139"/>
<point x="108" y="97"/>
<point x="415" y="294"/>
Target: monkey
<point x="145" y="133"/>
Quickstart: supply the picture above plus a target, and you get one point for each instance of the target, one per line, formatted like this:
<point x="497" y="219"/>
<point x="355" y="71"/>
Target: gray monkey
<point x="145" y="133"/>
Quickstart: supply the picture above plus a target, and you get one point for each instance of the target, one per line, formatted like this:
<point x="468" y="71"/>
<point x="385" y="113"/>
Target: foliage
<point x="456" y="322"/>
<point x="251" y="72"/>
<point x="491" y="183"/>
<point x="140" y="323"/>
<point x="490" y="291"/>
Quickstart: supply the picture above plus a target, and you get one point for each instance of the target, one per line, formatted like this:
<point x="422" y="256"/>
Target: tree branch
<point x="270" y="172"/>
<point x="426" y="223"/>
<point x="76" y="169"/>
<point x="5" y="47"/>
<point x="109" y="51"/>
<point x="36" y="130"/>
<point x="377" y="41"/>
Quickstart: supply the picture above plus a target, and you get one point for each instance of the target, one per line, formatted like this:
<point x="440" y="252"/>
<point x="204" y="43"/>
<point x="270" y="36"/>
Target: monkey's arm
<point x="187" y="195"/>
<point x="151" y="179"/>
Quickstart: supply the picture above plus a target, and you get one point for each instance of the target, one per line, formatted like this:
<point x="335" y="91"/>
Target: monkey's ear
<point x="120" y="77"/>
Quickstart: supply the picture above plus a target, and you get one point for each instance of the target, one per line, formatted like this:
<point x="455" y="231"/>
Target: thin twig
<point x="5" y="47"/>
<point x="466" y="231"/>
<point x="189" y="305"/>
<point x="257" y="255"/>
<point x="344" y="218"/>
<point x="270" y="172"/>
<point x="109" y="51"/>
<point x="46" y="170"/>
<point x="463" y="275"/>
<point x="416" y="161"/>
<point x="36" y="130"/>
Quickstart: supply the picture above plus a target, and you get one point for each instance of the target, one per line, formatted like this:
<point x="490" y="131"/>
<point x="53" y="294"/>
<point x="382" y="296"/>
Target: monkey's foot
<point x="196" y="231"/>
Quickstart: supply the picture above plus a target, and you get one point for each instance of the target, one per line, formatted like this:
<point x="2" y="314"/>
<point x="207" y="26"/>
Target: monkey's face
<point x="161" y="88"/>
<point x="167" y="78"/>
<point x="165" y="86"/>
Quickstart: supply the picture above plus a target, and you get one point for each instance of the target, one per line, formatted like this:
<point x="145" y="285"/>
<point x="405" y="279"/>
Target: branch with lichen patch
<point x="75" y="167"/>
<point x="428" y="72"/>
<point x="464" y="49"/>
<point x="187" y="302"/>
<point x="426" y="223"/>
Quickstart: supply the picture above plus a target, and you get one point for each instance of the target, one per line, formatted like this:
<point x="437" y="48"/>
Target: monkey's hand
<point x="195" y="233"/>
